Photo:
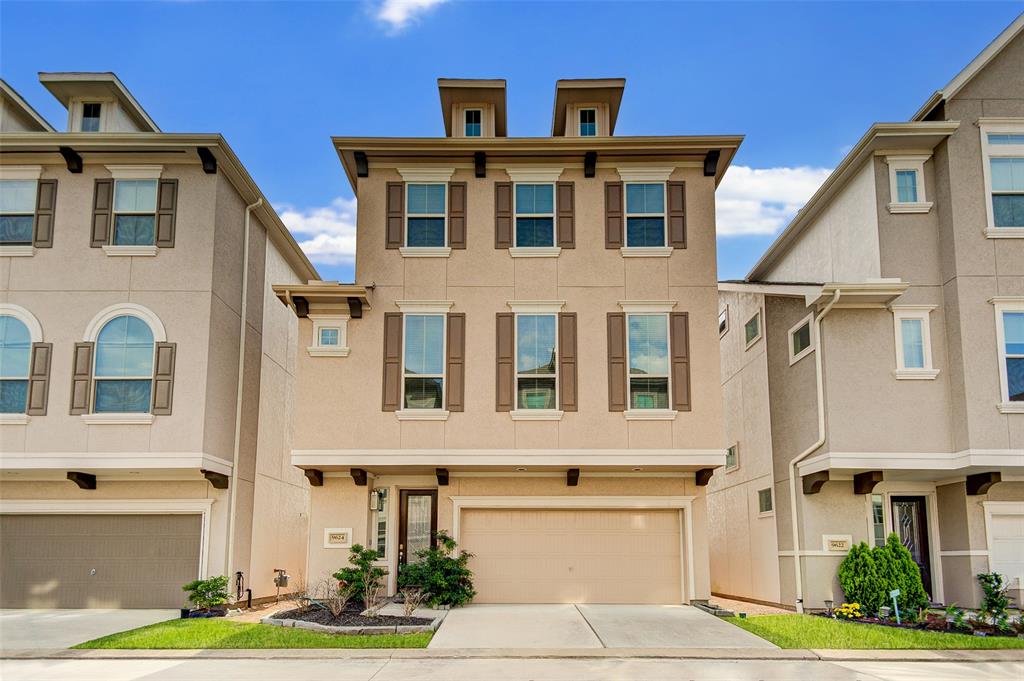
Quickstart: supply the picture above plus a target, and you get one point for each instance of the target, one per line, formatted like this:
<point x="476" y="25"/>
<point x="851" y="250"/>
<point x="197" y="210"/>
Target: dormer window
<point x="91" y="116"/>
<point x="474" y="122"/>
<point x="588" y="122"/>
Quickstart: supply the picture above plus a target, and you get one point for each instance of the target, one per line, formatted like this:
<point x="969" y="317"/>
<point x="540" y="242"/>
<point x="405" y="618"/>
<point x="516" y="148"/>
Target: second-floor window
<point x="91" y="116"/>
<point x="535" y="215"/>
<point x="425" y="215"/>
<point x="423" y="362"/>
<point x="906" y="186"/>
<point x="15" y="357"/>
<point x="536" y="363"/>
<point x="752" y="329"/>
<point x="1010" y="318"/>
<point x="913" y="342"/>
<point x="134" y="213"/>
<point x="588" y="122"/>
<point x="648" y="361"/>
<point x="123" y="371"/>
<point x="17" y="211"/>
<point x="474" y="122"/>
<point x="645" y="214"/>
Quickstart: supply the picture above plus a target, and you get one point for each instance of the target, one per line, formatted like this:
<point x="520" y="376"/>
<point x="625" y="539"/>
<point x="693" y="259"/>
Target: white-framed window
<point x="426" y="211"/>
<point x="1010" y="339"/>
<point x="330" y="336"/>
<point x="723" y="322"/>
<point x="1002" y="146"/>
<point x="123" y="366"/>
<point x="536" y="362"/>
<point x="906" y="184"/>
<point x="534" y="205"/>
<point x="732" y="458"/>
<point x="380" y="522"/>
<point x="878" y="535"/>
<point x="92" y="116"/>
<point x="752" y="329"/>
<point x="134" y="212"/>
<point x="801" y="339"/>
<point x="17" y="211"/>
<point x="647" y="357"/>
<point x="645" y="215"/>
<point x="588" y="122"/>
<point x="423" y="361"/>
<point x="15" y="361"/>
<point x="765" y="503"/>
<point x="913" y="342"/>
<point x="474" y="122"/>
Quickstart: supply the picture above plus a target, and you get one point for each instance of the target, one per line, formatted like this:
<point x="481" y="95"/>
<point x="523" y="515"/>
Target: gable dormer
<point x="586" y="107"/>
<point x="473" y="108"/>
<point x="16" y="115"/>
<point x="97" y="102"/>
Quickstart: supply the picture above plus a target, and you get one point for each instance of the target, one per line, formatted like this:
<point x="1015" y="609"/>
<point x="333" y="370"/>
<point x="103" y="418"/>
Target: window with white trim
<point x="1002" y="147"/>
<point x="17" y="211"/>
<point x="134" y="213"/>
<point x="15" y="360"/>
<point x="123" y="366"/>
<point x="423" y="361"/>
<point x="752" y="329"/>
<point x="765" y="504"/>
<point x="913" y="341"/>
<point x="474" y="122"/>
<point x="906" y="184"/>
<point x="91" y="116"/>
<point x="536" y="361"/>
<point x="588" y="122"/>
<point x="801" y="339"/>
<point x="380" y="522"/>
<point x="723" y="322"/>
<point x="426" y="210"/>
<point x="1010" y="336"/>
<point x="535" y="215"/>
<point x="330" y="336"/>
<point x="878" y="519"/>
<point x="732" y="460"/>
<point x="647" y="349"/>
<point x="645" y="214"/>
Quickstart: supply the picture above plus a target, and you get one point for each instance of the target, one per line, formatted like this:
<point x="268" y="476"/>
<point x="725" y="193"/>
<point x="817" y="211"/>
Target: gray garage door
<point x="97" y="561"/>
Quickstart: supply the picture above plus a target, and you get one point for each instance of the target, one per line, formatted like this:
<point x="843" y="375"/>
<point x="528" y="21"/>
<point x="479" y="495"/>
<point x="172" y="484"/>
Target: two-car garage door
<point x="574" y="555"/>
<point x="97" y="561"/>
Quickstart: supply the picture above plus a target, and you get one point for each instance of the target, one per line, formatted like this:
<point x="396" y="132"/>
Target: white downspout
<point x="232" y="488"/>
<point x="797" y="573"/>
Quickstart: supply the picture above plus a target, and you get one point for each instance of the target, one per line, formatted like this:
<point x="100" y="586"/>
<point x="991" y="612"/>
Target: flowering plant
<point x="849" y="611"/>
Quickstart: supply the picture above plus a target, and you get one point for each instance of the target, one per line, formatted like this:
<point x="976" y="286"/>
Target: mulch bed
<point x="349" y="618"/>
<point x="936" y="623"/>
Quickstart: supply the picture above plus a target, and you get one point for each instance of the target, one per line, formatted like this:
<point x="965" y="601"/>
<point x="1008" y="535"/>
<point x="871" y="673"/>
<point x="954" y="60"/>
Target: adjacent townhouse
<point x="146" y="368"/>
<point x="528" y="358"/>
<point x="873" y="360"/>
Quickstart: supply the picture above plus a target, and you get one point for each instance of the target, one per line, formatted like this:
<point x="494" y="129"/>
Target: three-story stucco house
<point x="873" y="359"/>
<point x="528" y="360"/>
<point x="146" y="368"/>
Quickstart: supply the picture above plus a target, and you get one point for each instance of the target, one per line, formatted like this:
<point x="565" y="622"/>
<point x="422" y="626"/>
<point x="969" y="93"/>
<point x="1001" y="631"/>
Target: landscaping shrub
<point x="364" y="579"/>
<point x="445" y="578"/>
<point x="995" y="601"/>
<point x="858" y="576"/>
<point x="897" y="569"/>
<point x="205" y="594"/>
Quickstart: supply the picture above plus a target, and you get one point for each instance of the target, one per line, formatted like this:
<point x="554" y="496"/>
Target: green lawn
<point x="806" y="631"/>
<point x="221" y="633"/>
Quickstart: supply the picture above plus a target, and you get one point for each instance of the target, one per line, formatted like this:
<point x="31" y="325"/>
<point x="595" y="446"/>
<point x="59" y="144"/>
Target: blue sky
<point x="802" y="81"/>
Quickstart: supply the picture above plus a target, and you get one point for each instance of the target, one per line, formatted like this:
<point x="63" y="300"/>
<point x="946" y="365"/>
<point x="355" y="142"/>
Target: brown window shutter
<point x="617" y="388"/>
<point x="677" y="214"/>
<point x="163" y="379"/>
<point x="102" y="210"/>
<point x="506" y="353"/>
<point x="81" y="378"/>
<point x="679" y="339"/>
<point x="394" y="231"/>
<point x="566" y="214"/>
<point x="456" y="361"/>
<point x="567" y="393"/>
<point x="39" y="379"/>
<point x="457" y="214"/>
<point x="46" y="202"/>
<point x="166" y="206"/>
<point x="392" y="388"/>
<point x="503" y="215"/>
<point x="613" y="215"/>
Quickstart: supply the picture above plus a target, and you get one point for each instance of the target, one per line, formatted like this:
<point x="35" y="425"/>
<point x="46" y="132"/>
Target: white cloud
<point x="329" y="231"/>
<point x="400" y="14"/>
<point x="763" y="200"/>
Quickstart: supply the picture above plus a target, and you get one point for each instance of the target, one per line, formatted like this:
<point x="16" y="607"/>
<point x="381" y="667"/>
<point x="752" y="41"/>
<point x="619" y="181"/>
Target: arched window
<point x="15" y="357"/>
<point x="123" y="370"/>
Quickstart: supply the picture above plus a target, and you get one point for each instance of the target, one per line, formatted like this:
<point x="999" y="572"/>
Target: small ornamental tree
<point x="858" y="576"/>
<point x="208" y="593"/>
<point x="363" y="579"/>
<point x="445" y="578"/>
<point x="996" y="600"/>
<point x="899" y="570"/>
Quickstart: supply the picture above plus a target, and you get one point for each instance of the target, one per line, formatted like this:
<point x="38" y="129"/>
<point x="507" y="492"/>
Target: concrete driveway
<point x="589" y="626"/>
<point x="38" y="629"/>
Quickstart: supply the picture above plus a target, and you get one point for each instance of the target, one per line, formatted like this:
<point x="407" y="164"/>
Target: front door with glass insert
<point x="910" y="523"/>
<point x="417" y="522"/>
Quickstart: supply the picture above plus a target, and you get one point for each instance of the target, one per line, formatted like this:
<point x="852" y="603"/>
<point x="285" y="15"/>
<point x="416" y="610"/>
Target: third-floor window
<point x="134" y="213"/>
<point x="645" y="214"/>
<point x="17" y="211"/>
<point x="535" y="215"/>
<point x="425" y="215"/>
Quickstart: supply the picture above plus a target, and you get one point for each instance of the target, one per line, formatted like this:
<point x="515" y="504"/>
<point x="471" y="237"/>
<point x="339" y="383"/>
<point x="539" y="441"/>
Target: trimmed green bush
<point x="208" y="593"/>
<point x="445" y="578"/>
<point x="868" y="575"/>
<point x="364" y="579"/>
<point x="858" y="576"/>
<point x="900" y="571"/>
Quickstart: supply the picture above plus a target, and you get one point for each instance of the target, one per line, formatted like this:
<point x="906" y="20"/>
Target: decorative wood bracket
<point x="359" y="475"/>
<point x="864" y="482"/>
<point x="480" y="163"/>
<point x="301" y="306"/>
<point x="703" y="476"/>
<point x="979" y="483"/>
<point x="355" y="307"/>
<point x="362" y="164"/>
<point x="442" y="476"/>
<point x="572" y="477"/>
<point x="590" y="164"/>
<point x="814" y="481"/>
<point x="218" y="480"/>
<point x="72" y="159"/>
<point x="83" y="480"/>
<point x="208" y="159"/>
<point x="315" y="477"/>
<point x="711" y="163"/>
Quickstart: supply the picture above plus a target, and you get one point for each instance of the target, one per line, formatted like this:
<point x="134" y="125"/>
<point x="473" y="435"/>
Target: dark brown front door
<point x="910" y="522"/>
<point x="417" y="522"/>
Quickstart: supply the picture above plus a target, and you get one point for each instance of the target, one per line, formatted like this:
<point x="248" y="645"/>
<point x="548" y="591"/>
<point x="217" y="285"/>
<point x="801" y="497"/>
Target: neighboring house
<point x="528" y="360"/>
<point x="873" y="359"/>
<point x="138" y="451"/>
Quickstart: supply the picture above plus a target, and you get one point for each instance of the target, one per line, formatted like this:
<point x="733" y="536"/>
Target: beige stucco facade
<point x="945" y="438"/>
<point x="193" y="292"/>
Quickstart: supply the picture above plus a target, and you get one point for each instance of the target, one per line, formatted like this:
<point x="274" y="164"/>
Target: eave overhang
<point x="26" y="108"/>
<point x="66" y="85"/>
<point x="586" y="91"/>
<point x="869" y="294"/>
<point x="553" y="150"/>
<point x="915" y="465"/>
<point x="779" y="290"/>
<point x="325" y="295"/>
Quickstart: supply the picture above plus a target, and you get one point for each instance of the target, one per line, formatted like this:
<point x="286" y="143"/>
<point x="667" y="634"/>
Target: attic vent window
<point x="91" y="117"/>
<point x="473" y="122"/>
<point x="588" y="122"/>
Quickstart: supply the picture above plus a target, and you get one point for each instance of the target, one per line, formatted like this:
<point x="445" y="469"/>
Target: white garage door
<point x="1008" y="545"/>
<point x="574" y="556"/>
